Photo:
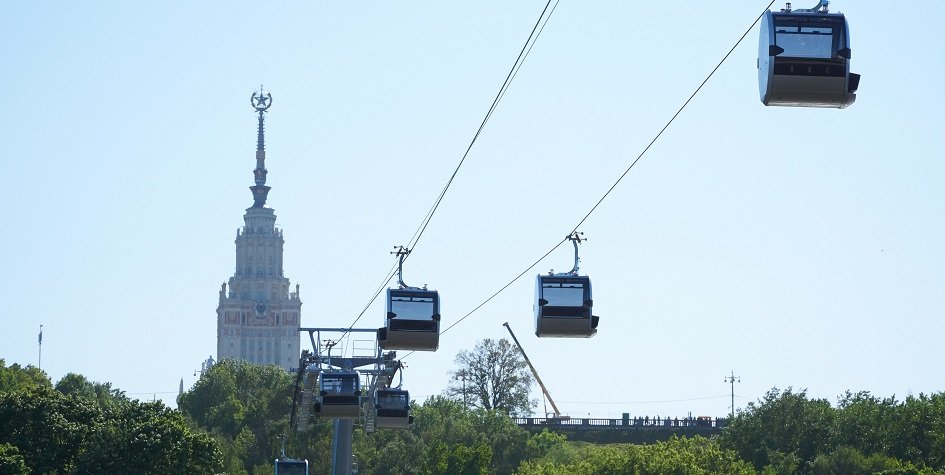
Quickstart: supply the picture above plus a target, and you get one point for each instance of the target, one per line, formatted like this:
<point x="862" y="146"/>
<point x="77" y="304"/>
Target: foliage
<point x="65" y="434"/>
<point x="850" y="461"/>
<point x="695" y="456"/>
<point x="458" y="459"/>
<point x="11" y="462"/>
<point x="788" y="433"/>
<point x="445" y="436"/>
<point x="83" y="427"/>
<point x="544" y="443"/>
<point x="158" y="438"/>
<point x="784" y="422"/>
<point x="16" y="377"/>
<point x="49" y="429"/>
<point x="246" y="406"/>
<point x="102" y="393"/>
<point x="493" y="375"/>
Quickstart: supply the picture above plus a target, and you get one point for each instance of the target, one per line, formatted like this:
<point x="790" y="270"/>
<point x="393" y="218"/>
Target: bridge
<point x="627" y="429"/>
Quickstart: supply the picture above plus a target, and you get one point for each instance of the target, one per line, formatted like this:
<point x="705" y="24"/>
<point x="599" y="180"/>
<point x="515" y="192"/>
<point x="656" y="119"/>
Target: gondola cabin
<point x="413" y="320"/>
<point x="804" y="59"/>
<point x="289" y="466"/>
<point x="563" y="306"/>
<point x="339" y="395"/>
<point x="393" y="408"/>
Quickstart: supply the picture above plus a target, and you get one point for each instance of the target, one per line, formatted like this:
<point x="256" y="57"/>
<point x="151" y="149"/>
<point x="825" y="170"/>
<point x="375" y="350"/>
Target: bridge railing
<point x="624" y="423"/>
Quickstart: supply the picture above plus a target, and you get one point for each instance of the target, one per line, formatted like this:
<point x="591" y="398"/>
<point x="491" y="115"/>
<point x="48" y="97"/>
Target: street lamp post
<point x="731" y="379"/>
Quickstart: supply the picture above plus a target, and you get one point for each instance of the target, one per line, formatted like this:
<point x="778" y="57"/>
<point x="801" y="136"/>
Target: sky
<point x="790" y="247"/>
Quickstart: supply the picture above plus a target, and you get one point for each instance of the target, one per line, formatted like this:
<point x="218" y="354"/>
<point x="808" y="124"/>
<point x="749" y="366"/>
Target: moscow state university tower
<point x="258" y="317"/>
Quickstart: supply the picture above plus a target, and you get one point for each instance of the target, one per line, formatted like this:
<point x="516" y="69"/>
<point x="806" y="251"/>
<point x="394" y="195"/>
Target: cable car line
<point x="673" y="118"/>
<point x="621" y="177"/>
<point x="380" y="288"/>
<point x="526" y="48"/>
<point x="522" y="55"/>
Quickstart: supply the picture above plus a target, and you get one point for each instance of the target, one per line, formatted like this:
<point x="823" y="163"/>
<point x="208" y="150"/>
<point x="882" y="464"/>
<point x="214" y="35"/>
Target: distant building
<point x="258" y="317"/>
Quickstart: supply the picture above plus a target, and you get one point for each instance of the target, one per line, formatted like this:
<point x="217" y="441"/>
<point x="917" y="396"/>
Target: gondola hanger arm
<point x="576" y="238"/>
<point x="401" y="252"/>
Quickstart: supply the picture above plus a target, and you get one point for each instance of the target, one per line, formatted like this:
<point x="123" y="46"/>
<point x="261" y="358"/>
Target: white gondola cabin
<point x="339" y="395"/>
<point x="413" y="315"/>
<point x="804" y="59"/>
<point x="393" y="408"/>
<point x="563" y="302"/>
<point x="564" y="306"/>
<point x="413" y="320"/>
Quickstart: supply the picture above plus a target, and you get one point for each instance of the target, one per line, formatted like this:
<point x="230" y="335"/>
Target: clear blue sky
<point x="797" y="247"/>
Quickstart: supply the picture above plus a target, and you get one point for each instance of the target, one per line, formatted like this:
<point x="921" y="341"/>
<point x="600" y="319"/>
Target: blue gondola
<point x="339" y="395"/>
<point x="804" y="59"/>
<point x="287" y="466"/>
<point x="393" y="408"/>
<point x="563" y="302"/>
<point x="413" y="316"/>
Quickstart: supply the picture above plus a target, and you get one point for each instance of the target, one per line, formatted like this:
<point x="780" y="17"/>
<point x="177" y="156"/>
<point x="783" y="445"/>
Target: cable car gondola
<point x="413" y="316"/>
<point x="393" y="408"/>
<point x="339" y="395"/>
<point x="563" y="302"/>
<point x="804" y="59"/>
<point x="287" y="466"/>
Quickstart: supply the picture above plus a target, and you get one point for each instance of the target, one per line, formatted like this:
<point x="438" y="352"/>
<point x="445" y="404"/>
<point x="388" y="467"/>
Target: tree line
<point x="234" y="418"/>
<point x="83" y="427"/>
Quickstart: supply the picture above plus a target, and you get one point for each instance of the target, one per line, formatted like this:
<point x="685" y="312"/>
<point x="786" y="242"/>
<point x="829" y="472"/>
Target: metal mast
<point x="40" y="363"/>
<point x="534" y="373"/>
<point x="732" y="379"/>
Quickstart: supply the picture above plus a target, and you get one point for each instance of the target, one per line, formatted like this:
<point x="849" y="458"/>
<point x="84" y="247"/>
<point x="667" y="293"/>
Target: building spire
<point x="261" y="102"/>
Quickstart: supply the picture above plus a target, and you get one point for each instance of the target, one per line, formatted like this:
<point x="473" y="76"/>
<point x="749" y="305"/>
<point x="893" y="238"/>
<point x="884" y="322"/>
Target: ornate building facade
<point x="258" y="317"/>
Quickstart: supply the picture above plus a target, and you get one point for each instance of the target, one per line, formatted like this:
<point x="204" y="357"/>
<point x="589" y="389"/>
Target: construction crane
<point x="544" y="390"/>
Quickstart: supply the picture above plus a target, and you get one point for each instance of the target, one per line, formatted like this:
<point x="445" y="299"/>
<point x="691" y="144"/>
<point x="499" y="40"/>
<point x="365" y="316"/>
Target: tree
<point x="17" y="377"/>
<point x="148" y="437"/>
<point x="11" y="462"/>
<point x="787" y="433"/>
<point x="783" y="423"/>
<point x="57" y="433"/>
<point x="447" y="437"/>
<point x="493" y="376"/>
<point x="101" y="393"/>
<point x="696" y="456"/>
<point x="917" y="431"/>
<point x="247" y="406"/>
<point x="49" y="429"/>
<point x="850" y="461"/>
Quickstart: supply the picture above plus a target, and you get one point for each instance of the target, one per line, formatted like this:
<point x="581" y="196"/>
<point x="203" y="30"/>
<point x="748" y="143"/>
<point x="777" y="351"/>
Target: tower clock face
<point x="260" y="307"/>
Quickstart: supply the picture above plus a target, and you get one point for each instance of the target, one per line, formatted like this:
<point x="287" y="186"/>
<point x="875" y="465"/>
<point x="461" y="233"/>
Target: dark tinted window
<point x="563" y="294"/>
<point x="392" y="401"/>
<point x="807" y="37"/>
<point x="291" y="468"/>
<point x="412" y="307"/>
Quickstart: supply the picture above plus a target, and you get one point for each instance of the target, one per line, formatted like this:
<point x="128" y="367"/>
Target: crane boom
<point x="534" y="373"/>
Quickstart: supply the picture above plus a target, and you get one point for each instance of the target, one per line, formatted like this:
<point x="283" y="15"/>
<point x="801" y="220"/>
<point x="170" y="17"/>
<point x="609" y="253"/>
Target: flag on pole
<point x="40" y="337"/>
